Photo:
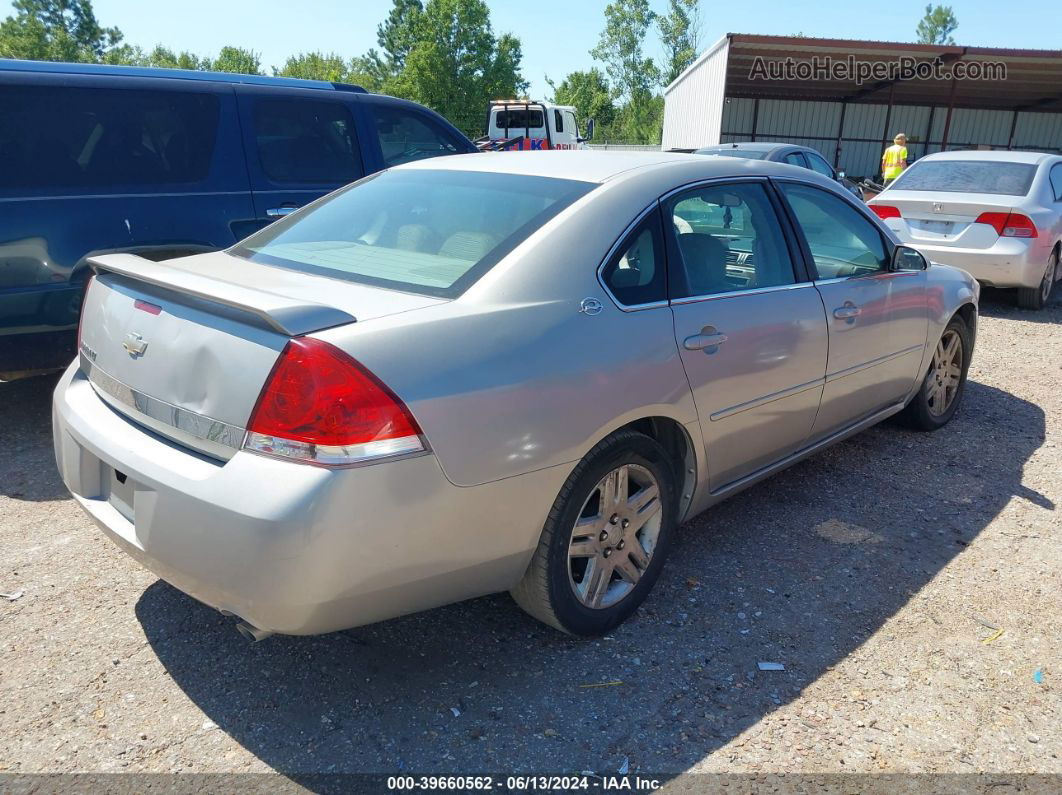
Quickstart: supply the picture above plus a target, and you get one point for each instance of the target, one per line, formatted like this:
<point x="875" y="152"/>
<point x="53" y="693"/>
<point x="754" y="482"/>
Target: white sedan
<point x="997" y="215"/>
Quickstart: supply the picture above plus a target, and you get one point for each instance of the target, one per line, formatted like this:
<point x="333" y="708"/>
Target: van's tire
<point x="558" y="586"/>
<point x="1037" y="297"/>
<point x="944" y="384"/>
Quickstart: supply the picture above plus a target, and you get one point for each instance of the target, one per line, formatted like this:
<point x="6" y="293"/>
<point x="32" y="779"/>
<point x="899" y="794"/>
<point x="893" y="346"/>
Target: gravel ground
<point x="910" y="584"/>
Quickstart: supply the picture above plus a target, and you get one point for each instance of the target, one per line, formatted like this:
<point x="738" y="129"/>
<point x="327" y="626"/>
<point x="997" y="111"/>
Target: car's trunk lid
<point x="184" y="347"/>
<point x="936" y="219"/>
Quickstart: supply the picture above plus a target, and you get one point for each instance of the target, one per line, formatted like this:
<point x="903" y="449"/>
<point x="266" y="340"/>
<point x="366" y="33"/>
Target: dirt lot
<point x="875" y="572"/>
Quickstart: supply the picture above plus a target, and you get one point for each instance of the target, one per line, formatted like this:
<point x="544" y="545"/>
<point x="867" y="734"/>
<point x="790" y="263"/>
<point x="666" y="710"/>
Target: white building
<point x="820" y="93"/>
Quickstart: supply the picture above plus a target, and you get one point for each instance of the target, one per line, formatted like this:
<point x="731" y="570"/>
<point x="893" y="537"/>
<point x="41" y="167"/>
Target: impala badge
<point x="938" y="207"/>
<point x="134" y="344"/>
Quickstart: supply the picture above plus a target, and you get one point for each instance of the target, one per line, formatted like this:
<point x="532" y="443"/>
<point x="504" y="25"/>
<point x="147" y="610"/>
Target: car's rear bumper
<point x="290" y="547"/>
<point x="1011" y="262"/>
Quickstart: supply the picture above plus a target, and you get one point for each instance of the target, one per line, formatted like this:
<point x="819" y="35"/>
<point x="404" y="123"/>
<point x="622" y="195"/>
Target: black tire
<point x="918" y="414"/>
<point x="1037" y="297"/>
<point x="547" y="590"/>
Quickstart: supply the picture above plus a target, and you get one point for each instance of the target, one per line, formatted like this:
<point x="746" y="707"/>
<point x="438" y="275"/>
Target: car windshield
<point x="523" y="118"/>
<point x="968" y="176"/>
<point x="751" y="154"/>
<point x="433" y="232"/>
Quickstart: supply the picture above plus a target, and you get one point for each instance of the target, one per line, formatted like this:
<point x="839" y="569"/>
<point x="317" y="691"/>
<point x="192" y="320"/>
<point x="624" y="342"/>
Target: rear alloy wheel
<point x="605" y="540"/>
<point x="1036" y="297"/>
<point x="938" y="399"/>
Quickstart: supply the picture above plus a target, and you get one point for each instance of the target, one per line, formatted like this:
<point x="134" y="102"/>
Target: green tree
<point x="937" y="26"/>
<point x="633" y="75"/>
<point x="680" y="35"/>
<point x="56" y="30"/>
<point x="620" y="48"/>
<point x="590" y="94"/>
<point x="235" y="59"/>
<point x="315" y="66"/>
<point x="457" y="65"/>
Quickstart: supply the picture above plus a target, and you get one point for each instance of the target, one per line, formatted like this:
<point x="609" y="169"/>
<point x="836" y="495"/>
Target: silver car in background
<point x="492" y="372"/>
<point x="997" y="215"/>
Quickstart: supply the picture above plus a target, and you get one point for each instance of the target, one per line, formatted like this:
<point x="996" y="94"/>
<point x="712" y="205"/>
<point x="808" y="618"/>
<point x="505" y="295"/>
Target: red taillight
<point x="884" y="211"/>
<point x="81" y="315"/>
<point x="1008" y="224"/>
<point x="320" y="405"/>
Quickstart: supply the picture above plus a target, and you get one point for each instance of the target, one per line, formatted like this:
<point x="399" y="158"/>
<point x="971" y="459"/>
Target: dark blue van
<point x="164" y="163"/>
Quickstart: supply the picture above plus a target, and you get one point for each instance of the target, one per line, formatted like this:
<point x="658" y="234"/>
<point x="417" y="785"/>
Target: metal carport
<point x="720" y="98"/>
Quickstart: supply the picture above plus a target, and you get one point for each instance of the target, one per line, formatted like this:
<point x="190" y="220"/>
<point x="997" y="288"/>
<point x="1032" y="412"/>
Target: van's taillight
<point x="884" y="211"/>
<point x="81" y="315"/>
<point x="321" y="406"/>
<point x="1008" y="224"/>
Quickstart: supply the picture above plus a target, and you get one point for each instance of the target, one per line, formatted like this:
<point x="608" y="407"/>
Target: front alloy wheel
<point x="945" y="373"/>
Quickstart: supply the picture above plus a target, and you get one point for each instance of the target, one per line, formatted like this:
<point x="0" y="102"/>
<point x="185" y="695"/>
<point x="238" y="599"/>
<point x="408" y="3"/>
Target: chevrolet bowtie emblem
<point x="134" y="344"/>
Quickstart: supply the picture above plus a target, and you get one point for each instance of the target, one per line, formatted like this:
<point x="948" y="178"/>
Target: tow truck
<point x="526" y="125"/>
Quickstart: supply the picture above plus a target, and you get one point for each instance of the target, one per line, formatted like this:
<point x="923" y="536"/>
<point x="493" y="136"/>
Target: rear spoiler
<point x="289" y="316"/>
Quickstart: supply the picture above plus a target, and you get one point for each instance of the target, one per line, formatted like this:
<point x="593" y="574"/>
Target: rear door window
<point x="819" y="165"/>
<point x="95" y="138"/>
<point x="729" y="239"/>
<point x="306" y="141"/>
<point x="796" y="159"/>
<point x="968" y="176"/>
<point x="406" y="136"/>
<point x="1056" y="181"/>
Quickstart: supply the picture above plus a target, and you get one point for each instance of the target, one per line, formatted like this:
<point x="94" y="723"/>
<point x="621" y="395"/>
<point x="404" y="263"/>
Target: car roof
<point x="1006" y="156"/>
<point x="750" y="146"/>
<point x="12" y="65"/>
<point x="601" y="166"/>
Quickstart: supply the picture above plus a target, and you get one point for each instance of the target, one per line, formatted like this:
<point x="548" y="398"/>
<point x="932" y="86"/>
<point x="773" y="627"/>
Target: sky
<point x="557" y="35"/>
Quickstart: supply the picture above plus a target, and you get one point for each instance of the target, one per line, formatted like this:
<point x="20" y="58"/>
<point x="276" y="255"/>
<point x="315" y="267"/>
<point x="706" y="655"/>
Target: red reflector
<point x="319" y="395"/>
<point x="144" y="306"/>
<point x="884" y="211"/>
<point x="1009" y="224"/>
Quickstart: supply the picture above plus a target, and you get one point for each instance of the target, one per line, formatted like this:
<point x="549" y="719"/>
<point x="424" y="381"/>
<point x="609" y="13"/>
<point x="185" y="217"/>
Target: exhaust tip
<point x="252" y="633"/>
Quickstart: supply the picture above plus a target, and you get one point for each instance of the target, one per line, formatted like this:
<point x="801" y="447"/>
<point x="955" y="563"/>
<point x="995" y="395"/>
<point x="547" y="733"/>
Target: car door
<point x="878" y="319"/>
<point x="749" y="325"/>
<point x="300" y="145"/>
<point x="403" y="132"/>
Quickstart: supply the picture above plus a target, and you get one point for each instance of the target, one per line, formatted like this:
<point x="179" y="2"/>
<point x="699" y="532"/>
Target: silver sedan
<point x="997" y="215"/>
<point x="492" y="372"/>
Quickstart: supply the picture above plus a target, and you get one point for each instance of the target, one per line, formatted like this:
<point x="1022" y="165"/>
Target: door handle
<point x="698" y="342"/>
<point x="280" y="212"/>
<point x="847" y="312"/>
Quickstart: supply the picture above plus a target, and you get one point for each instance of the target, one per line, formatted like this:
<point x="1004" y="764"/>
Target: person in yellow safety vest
<point x="894" y="161"/>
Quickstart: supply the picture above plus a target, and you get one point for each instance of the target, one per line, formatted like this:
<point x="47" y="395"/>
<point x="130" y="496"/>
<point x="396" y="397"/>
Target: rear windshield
<point x="433" y="232"/>
<point x="968" y="176"/>
<point x="757" y="154"/>
<point x="519" y="117"/>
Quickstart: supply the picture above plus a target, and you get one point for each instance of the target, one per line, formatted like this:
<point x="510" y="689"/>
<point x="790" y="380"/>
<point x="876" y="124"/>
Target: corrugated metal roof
<point x="1033" y="80"/>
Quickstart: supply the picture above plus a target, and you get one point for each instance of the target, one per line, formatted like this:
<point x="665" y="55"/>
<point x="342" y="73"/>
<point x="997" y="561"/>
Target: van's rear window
<point x="426" y="231"/>
<point x="95" y="139"/>
<point x="968" y="176"/>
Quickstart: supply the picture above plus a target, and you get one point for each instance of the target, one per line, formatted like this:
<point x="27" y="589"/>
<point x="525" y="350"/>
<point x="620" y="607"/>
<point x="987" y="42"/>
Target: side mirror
<point x="589" y="130"/>
<point x="905" y="258"/>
